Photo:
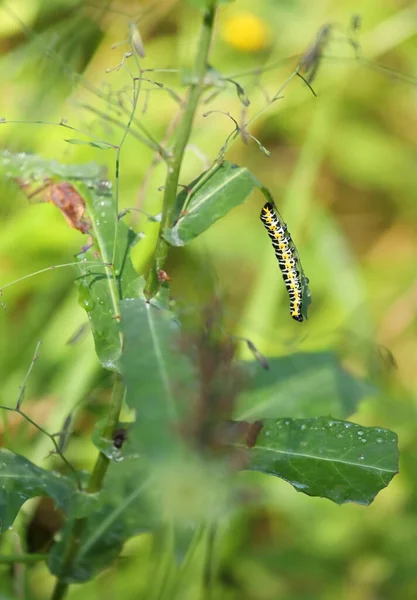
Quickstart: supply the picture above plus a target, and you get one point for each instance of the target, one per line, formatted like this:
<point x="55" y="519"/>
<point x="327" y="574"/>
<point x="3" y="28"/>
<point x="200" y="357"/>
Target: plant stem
<point x="183" y="135"/>
<point x="208" y="574"/>
<point x="94" y="485"/>
<point x="27" y="559"/>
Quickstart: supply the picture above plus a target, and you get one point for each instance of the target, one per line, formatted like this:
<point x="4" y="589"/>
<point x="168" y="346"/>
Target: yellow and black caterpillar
<point x="284" y="251"/>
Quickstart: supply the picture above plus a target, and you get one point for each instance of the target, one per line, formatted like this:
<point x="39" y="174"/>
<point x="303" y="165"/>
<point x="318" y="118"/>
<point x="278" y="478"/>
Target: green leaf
<point x="34" y="168"/>
<point x="158" y="378"/>
<point x="338" y="460"/>
<point x="20" y="480"/>
<point x="301" y="385"/>
<point x="225" y="189"/>
<point x="101" y="145"/>
<point x="123" y="512"/>
<point x="241" y="94"/>
<point x="100" y="288"/>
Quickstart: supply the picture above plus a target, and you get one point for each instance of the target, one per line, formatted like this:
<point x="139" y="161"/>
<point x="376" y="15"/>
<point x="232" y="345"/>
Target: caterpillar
<point x="287" y="260"/>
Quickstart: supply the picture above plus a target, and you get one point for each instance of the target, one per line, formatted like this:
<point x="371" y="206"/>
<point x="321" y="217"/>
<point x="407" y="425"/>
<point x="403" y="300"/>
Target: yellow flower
<point x="246" y="32"/>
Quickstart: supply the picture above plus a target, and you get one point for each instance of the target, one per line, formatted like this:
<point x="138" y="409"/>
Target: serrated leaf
<point x="20" y="480"/>
<point x="100" y="145"/>
<point x="159" y="379"/>
<point x="100" y="288"/>
<point x="301" y="385"/>
<point x="225" y="189"/>
<point x="338" y="460"/>
<point x="123" y="512"/>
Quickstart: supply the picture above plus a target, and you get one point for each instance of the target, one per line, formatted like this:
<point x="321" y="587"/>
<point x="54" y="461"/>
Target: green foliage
<point x="338" y="460"/>
<point x="101" y="287"/>
<point x="216" y="193"/>
<point x="122" y="511"/>
<point x="159" y="381"/>
<point x="20" y="480"/>
<point x="198" y="415"/>
<point x="31" y="168"/>
<point x="302" y="385"/>
<point x="100" y="145"/>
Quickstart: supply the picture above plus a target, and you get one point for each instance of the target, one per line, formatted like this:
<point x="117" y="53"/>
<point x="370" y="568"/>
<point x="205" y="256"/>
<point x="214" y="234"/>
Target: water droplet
<point x="84" y="297"/>
<point x="379" y="440"/>
<point x="303" y="426"/>
<point x="347" y="425"/>
<point x="360" y="433"/>
<point x="361" y="457"/>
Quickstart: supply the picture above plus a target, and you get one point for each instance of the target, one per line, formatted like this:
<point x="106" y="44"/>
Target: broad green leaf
<point x="20" y="480"/>
<point x="225" y="189"/>
<point x="100" y="288"/>
<point x="123" y="512"/>
<point x="301" y="385"/>
<point x="158" y="378"/>
<point x="101" y="145"/>
<point x="338" y="460"/>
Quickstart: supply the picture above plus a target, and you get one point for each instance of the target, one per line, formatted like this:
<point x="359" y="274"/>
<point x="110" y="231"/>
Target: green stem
<point x="94" y="485"/>
<point x="208" y="573"/>
<point x="183" y="135"/>
<point x="27" y="559"/>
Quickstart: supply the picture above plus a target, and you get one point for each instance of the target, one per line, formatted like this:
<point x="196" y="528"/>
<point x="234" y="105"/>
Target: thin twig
<point x="23" y="386"/>
<point x="90" y="263"/>
<point x="48" y="435"/>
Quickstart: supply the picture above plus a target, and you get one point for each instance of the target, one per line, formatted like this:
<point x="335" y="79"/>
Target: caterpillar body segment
<point x="287" y="258"/>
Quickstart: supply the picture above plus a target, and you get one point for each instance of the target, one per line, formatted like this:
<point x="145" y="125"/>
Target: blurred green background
<point x="343" y="170"/>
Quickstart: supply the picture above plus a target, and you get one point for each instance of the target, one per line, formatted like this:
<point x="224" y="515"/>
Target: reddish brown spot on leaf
<point x="71" y="204"/>
<point x="65" y="197"/>
<point x="253" y="432"/>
